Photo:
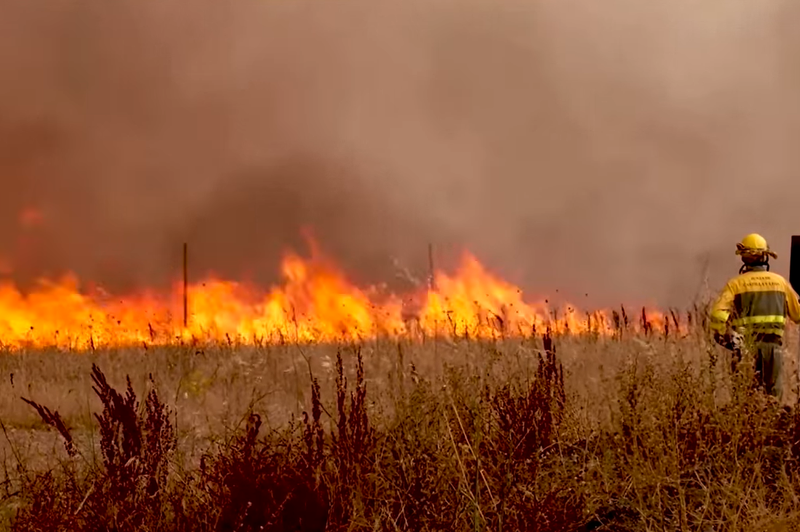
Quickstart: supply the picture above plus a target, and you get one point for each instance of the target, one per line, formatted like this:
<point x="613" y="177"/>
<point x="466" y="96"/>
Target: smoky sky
<point x="616" y="148"/>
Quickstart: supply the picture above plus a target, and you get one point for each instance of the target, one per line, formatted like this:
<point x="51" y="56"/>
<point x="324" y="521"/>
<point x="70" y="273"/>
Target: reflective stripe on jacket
<point x="756" y="300"/>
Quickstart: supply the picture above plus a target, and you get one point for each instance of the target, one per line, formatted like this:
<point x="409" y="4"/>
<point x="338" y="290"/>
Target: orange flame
<point x="315" y="303"/>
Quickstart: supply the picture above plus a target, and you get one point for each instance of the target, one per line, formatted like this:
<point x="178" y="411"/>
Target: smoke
<point x="616" y="148"/>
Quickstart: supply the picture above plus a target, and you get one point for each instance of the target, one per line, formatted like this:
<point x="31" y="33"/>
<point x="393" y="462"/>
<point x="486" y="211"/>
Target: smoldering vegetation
<point x="617" y="148"/>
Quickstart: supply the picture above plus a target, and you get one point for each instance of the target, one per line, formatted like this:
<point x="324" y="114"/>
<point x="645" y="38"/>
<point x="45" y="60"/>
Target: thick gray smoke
<point x="617" y="148"/>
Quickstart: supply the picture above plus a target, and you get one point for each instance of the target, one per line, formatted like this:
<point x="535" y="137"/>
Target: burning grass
<point x="632" y="432"/>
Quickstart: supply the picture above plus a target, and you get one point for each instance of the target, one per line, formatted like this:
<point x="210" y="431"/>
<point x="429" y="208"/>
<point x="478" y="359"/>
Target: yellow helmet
<point x="754" y="246"/>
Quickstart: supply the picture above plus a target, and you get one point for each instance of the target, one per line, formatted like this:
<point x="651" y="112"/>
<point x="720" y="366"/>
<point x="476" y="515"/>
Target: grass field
<point x="636" y="432"/>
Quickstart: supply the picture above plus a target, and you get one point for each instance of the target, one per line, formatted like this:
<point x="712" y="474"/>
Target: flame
<point x="315" y="303"/>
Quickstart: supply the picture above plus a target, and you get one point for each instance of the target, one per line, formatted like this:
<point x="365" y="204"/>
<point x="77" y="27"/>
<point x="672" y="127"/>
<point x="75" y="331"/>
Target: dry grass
<point x="633" y="433"/>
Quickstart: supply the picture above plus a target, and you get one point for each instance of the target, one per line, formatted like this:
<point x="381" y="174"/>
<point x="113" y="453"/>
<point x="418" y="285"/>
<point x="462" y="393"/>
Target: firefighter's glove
<point x="730" y="340"/>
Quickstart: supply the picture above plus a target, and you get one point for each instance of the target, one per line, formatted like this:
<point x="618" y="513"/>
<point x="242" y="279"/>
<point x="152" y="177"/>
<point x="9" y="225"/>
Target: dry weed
<point x="643" y="431"/>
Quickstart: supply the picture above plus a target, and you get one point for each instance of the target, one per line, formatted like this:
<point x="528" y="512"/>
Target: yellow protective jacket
<point x="756" y="301"/>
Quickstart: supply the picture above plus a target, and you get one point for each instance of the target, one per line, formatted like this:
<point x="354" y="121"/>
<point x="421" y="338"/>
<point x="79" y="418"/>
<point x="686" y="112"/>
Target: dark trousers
<point x="768" y="365"/>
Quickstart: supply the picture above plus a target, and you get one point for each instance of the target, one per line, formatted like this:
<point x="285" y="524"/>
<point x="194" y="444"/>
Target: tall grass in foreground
<point x="549" y="434"/>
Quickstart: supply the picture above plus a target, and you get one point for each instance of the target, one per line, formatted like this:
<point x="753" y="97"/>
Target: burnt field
<point x="632" y="432"/>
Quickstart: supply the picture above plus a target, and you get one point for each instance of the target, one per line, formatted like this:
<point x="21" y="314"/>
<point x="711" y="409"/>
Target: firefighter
<point x="750" y="313"/>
